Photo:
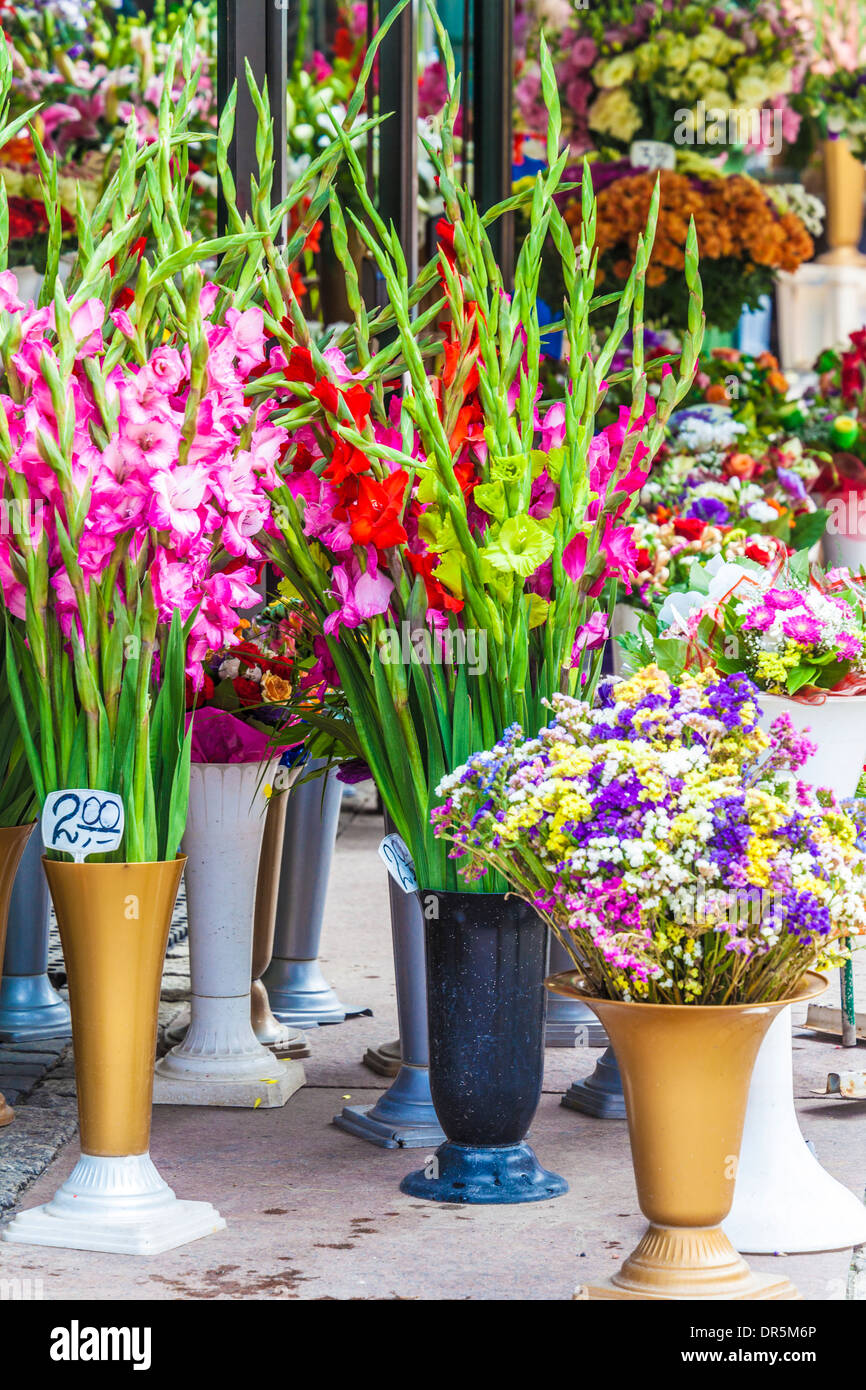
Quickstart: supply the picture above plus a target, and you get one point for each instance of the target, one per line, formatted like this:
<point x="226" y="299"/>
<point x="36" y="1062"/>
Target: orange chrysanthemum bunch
<point x="734" y="218"/>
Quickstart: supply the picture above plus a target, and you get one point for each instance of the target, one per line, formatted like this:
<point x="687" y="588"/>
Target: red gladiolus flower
<point x="346" y="462"/>
<point x="375" y="517"/>
<point x="438" y="596"/>
<point x="301" y="367"/>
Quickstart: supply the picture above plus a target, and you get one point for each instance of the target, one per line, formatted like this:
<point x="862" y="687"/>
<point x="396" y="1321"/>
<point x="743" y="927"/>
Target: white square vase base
<point x="252" y="1093"/>
<point x="119" y="1205"/>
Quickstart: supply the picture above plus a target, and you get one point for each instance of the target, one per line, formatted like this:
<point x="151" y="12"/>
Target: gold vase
<point x="284" y="1041"/>
<point x="845" y="179"/>
<point x="13" y="839"/>
<point x="114" y="921"/>
<point x="685" y="1074"/>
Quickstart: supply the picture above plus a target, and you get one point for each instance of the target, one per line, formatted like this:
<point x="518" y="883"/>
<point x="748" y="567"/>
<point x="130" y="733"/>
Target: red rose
<point x="248" y="692"/>
<point x="691" y="528"/>
<point x="644" y="559"/>
<point x="759" y="553"/>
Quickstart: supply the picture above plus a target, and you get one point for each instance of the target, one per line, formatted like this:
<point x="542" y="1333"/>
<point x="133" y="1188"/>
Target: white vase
<point x="783" y="1199"/>
<point x="220" y="1061"/>
<point x="625" y="619"/>
<point x="838" y="726"/>
<point x="30" y="279"/>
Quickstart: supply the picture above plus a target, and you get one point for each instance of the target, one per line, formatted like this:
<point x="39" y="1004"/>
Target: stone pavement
<point x="316" y="1214"/>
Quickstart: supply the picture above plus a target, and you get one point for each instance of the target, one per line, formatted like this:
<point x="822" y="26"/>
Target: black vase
<point x="485" y="1005"/>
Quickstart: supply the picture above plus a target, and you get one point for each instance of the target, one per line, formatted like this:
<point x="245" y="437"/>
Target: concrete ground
<point x="315" y="1214"/>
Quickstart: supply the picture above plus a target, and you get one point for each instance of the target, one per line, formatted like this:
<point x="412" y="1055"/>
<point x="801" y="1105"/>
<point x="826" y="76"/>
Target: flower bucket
<point x="114" y="921"/>
<point x="13" y="841"/>
<point x="485" y="967"/>
<point x="685" y="1156"/>
<point x="784" y="1199"/>
<point x="220" y="1061"/>
<point x="282" y="1040"/>
<point x="837" y="723"/>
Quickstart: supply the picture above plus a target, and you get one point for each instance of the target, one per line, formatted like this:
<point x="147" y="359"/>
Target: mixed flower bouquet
<point x="240" y="704"/>
<point x="449" y="534"/>
<point x="754" y="388"/>
<point x="637" y="70"/>
<point x="667" y="840"/>
<point x="788" y="627"/>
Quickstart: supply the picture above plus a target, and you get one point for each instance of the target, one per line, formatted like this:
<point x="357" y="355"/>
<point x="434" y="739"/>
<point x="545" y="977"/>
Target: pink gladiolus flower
<point x="362" y="594"/>
<point x="590" y="637"/>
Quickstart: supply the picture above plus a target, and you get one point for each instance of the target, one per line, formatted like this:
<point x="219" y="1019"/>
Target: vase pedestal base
<point x="288" y="1042"/>
<point x="402" y="1118"/>
<point x="7" y="1114"/>
<point x="119" y="1205"/>
<point x="504" y="1173"/>
<point x="560" y="1032"/>
<point x="688" y="1262"/>
<point x="600" y="1094"/>
<point x="267" y="1092"/>
<point x="385" y="1060"/>
<point x="30" y="1008"/>
<point x="767" y="1286"/>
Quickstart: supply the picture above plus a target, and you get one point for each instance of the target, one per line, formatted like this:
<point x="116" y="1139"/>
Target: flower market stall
<point x="430" y="577"/>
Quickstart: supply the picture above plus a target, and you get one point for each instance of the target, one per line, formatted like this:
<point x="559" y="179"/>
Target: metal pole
<point x="492" y="82"/>
<point x="254" y="31"/>
<point x="398" y="136"/>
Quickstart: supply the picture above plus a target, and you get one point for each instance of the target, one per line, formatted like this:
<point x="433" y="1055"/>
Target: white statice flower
<point x="229" y="669"/>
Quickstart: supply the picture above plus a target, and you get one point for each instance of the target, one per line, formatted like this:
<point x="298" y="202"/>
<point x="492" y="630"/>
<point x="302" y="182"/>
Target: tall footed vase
<point x="485" y="1002"/>
<point x="784" y="1200"/>
<point x="114" y="921"/>
<point x="30" y="1007"/>
<point x="221" y="1061"/>
<point x="13" y="841"/>
<point x="403" y="1116"/>
<point x="685" y="1156"/>
<point x="299" y="994"/>
<point x="279" y="1037"/>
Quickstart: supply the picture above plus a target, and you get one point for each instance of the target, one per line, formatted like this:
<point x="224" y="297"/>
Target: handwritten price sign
<point x="81" y="822"/>
<point x="394" y="853"/>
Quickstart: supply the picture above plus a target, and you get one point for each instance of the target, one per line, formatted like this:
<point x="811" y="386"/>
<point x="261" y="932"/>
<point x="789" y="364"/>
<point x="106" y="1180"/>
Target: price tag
<point x="394" y="853"/>
<point x="652" y="154"/>
<point x="81" y="822"/>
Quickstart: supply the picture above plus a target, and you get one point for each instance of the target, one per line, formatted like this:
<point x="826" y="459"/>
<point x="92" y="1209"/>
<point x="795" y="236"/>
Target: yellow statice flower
<point x="760" y="851"/>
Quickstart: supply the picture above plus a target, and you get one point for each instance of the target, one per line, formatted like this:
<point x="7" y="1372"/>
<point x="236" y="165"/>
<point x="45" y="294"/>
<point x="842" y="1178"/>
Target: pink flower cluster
<point x="191" y="525"/>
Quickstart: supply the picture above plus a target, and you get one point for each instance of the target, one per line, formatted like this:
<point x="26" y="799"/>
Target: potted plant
<point x="235" y="718"/>
<point x="452" y="536"/>
<point x="140" y="468"/>
<point x="638" y="828"/>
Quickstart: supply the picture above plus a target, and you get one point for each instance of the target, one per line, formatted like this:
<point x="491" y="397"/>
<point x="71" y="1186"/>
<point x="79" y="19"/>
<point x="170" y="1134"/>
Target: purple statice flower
<point x="709" y="509"/>
<point x="792" y="483"/>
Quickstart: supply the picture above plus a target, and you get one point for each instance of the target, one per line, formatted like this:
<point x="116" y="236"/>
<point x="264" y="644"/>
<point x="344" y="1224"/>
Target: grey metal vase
<point x="569" y="1022"/>
<point x="298" y="991"/>
<point x="30" y="1006"/>
<point x="403" y="1117"/>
